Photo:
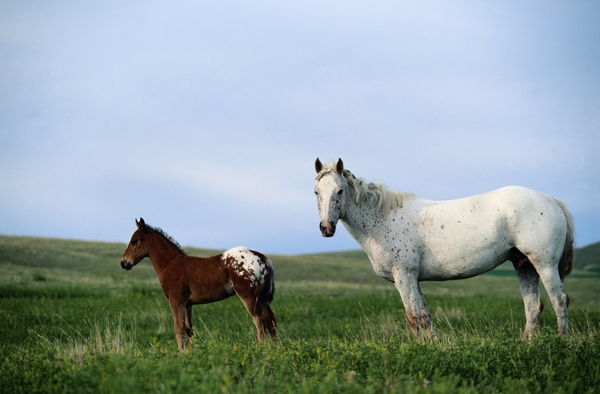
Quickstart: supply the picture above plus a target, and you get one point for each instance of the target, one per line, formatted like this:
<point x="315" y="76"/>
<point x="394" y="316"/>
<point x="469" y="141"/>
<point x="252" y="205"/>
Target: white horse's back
<point x="469" y="236"/>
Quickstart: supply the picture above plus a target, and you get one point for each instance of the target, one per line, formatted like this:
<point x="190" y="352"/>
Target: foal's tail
<point x="565" y="266"/>
<point x="268" y="291"/>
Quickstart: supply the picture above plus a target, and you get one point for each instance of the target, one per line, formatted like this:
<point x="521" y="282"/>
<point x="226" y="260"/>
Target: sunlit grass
<point x="69" y="326"/>
<point x="100" y="339"/>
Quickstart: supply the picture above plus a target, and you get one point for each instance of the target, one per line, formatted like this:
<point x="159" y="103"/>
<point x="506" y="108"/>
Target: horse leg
<point x="189" y="331"/>
<point x="408" y="287"/>
<point x="179" y="315"/>
<point x="255" y="311"/>
<point x="529" y="283"/>
<point x="268" y="320"/>
<point x="560" y="300"/>
<point x="426" y="323"/>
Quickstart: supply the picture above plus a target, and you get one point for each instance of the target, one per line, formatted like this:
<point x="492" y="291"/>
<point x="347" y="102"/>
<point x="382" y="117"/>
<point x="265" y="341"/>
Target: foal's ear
<point x="340" y="166"/>
<point x="141" y="224"/>
<point x="318" y="165"/>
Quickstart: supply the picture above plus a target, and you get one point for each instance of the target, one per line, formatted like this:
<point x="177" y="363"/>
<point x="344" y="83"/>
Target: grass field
<point x="71" y="320"/>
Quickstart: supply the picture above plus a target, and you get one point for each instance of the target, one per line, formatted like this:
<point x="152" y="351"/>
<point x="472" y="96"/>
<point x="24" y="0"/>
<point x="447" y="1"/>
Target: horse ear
<point x="318" y="165"/>
<point x="141" y="224"/>
<point x="340" y="166"/>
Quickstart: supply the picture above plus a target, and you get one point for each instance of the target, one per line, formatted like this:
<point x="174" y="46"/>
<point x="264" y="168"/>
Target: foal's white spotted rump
<point x="409" y="239"/>
<point x="251" y="265"/>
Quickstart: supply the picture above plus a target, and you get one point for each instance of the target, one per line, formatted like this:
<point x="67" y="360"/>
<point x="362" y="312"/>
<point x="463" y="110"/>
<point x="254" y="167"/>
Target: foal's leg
<point x="189" y="331"/>
<point x="529" y="283"/>
<point x="268" y="320"/>
<point x="255" y="311"/>
<point x="179" y="316"/>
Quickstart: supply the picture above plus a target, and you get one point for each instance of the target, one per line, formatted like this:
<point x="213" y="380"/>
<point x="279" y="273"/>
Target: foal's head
<point x="138" y="246"/>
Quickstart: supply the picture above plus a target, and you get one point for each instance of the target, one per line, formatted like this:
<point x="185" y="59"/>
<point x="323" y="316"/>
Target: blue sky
<point x="205" y="118"/>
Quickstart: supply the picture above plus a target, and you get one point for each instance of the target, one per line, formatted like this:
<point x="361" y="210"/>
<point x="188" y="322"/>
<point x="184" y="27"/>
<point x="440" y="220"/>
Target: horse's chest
<point x="383" y="270"/>
<point x="388" y="243"/>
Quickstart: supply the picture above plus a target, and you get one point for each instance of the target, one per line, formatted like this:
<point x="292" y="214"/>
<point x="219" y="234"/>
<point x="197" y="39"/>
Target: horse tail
<point x="268" y="291"/>
<point x="565" y="266"/>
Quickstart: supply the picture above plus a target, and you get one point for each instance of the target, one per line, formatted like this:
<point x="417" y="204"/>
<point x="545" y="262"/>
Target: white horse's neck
<point x="364" y="222"/>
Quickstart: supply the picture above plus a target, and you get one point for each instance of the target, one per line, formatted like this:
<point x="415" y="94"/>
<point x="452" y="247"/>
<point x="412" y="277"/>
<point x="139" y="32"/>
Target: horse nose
<point x="126" y="265"/>
<point x="328" y="230"/>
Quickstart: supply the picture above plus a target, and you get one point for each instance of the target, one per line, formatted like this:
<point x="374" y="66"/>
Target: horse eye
<point x="340" y="192"/>
<point x="134" y="242"/>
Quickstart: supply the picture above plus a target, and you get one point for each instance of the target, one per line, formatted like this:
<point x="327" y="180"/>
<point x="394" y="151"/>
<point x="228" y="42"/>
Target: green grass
<point x="71" y="320"/>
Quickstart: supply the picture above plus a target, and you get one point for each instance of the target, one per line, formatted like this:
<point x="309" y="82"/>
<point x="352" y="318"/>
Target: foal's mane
<point x="373" y="194"/>
<point x="166" y="236"/>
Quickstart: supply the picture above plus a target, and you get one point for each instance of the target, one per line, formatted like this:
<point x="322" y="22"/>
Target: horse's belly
<point x="464" y="247"/>
<point x="208" y="297"/>
<point x="460" y="268"/>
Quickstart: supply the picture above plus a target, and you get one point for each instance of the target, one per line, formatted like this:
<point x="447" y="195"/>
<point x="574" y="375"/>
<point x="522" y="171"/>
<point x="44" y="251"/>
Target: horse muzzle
<point x="328" y="230"/>
<point x="126" y="265"/>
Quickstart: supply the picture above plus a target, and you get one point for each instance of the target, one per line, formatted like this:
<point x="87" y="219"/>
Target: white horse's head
<point x="331" y="196"/>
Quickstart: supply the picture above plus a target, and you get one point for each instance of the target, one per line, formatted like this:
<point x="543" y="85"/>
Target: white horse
<point x="409" y="239"/>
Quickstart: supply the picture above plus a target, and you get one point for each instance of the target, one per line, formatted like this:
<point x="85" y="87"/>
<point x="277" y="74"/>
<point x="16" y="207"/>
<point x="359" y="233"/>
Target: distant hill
<point x="588" y="258"/>
<point x="100" y="258"/>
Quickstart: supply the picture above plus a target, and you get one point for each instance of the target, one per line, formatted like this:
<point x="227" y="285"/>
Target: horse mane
<point x="166" y="236"/>
<point x="373" y="194"/>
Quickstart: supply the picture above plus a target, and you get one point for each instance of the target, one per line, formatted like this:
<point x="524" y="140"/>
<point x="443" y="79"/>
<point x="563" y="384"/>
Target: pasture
<point x="71" y="320"/>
